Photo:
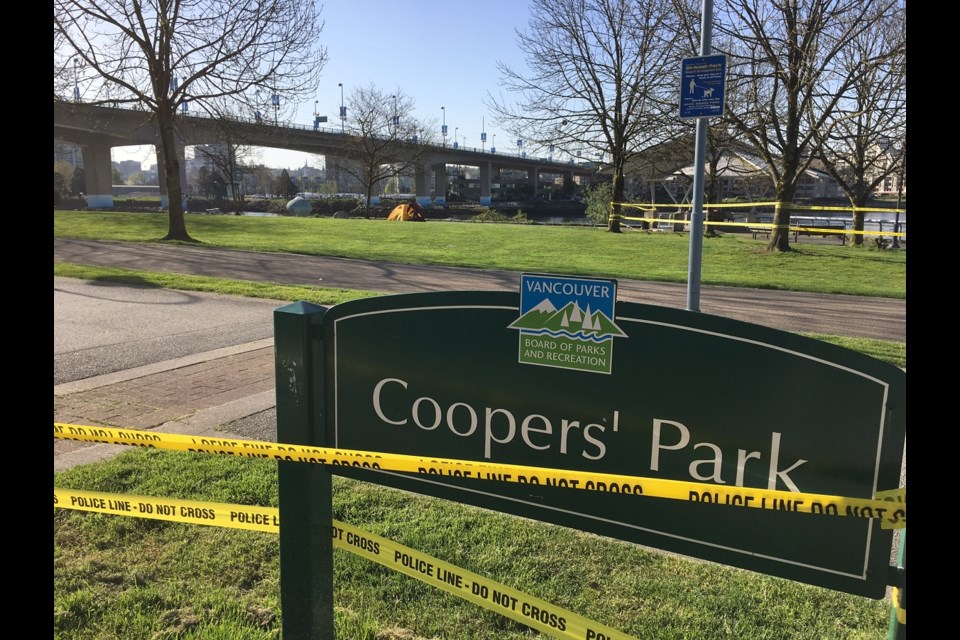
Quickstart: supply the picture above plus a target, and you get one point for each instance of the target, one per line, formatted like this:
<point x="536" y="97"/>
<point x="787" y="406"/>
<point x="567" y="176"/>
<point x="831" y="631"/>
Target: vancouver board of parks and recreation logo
<point x="567" y="323"/>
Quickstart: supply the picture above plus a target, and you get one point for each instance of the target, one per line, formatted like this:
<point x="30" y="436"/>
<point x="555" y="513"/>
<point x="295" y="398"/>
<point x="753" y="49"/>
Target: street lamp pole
<point x="343" y="111"/>
<point x="77" y="64"/>
<point x="396" y="118"/>
<point x="455" y="130"/>
<point x="443" y="129"/>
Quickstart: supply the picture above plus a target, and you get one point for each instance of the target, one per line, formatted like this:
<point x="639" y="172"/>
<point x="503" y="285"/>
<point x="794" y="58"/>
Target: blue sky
<point x="443" y="53"/>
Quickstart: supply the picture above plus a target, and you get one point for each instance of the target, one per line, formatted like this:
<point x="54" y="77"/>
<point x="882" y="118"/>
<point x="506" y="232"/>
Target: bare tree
<point x="719" y="149"/>
<point x="230" y="155"/>
<point x="864" y="143"/>
<point x="784" y="66"/>
<point x="603" y="74"/>
<point x="257" y="178"/>
<point x="162" y="55"/>
<point x="385" y="140"/>
<point x="65" y="171"/>
<point x="224" y="158"/>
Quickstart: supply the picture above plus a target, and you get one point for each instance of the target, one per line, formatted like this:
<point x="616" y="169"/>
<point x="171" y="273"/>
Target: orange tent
<point x="406" y="212"/>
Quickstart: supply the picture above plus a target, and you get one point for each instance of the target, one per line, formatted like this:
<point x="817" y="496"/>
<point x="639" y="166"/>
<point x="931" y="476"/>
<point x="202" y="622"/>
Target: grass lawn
<point x="728" y="259"/>
<point x="120" y="577"/>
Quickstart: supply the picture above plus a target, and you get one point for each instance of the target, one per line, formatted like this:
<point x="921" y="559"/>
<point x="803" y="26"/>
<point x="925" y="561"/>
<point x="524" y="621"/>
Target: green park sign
<point x="561" y="375"/>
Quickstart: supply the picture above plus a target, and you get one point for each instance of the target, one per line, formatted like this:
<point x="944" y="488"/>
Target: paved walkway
<point x="854" y="316"/>
<point x="196" y="395"/>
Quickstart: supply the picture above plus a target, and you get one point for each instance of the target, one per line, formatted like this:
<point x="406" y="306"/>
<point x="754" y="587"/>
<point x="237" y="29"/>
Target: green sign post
<point x="305" y="490"/>
<point x="629" y="389"/>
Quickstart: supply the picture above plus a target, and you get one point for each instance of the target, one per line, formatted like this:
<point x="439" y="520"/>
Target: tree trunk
<point x="858" y="215"/>
<point x="780" y="234"/>
<point x="856" y="239"/>
<point x="613" y="222"/>
<point x="177" y="226"/>
<point x="366" y="202"/>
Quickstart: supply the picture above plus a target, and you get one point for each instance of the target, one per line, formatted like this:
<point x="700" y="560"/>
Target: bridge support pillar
<point x="98" y="174"/>
<point x="332" y="171"/>
<point x="485" y="192"/>
<point x="440" y="184"/>
<point x="162" y="176"/>
<point x="420" y="181"/>
<point x="534" y="175"/>
<point x="343" y="173"/>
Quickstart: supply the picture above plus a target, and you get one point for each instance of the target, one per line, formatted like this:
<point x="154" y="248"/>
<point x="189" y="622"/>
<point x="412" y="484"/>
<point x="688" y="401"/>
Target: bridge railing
<point x="337" y="130"/>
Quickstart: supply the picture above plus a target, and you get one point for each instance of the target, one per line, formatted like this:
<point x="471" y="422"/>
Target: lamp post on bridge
<point x="77" y="65"/>
<point x="174" y="85"/>
<point x="455" y="130"/>
<point x="493" y="145"/>
<point x="257" y="115"/>
<point x="396" y="117"/>
<point x="343" y="110"/>
<point x="443" y="129"/>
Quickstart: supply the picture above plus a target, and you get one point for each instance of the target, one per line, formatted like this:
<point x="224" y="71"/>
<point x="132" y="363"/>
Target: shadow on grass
<point x="124" y="280"/>
<point x="848" y="252"/>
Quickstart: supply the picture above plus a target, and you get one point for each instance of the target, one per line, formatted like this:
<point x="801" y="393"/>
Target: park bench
<point x="670" y="221"/>
<point x="824" y="227"/>
<point x="761" y="219"/>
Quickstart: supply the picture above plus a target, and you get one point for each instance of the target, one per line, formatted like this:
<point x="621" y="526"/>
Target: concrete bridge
<point x="97" y="129"/>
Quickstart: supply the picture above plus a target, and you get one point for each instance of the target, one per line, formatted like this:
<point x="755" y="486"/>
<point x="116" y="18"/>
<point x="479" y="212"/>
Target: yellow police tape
<point x="767" y="225"/>
<point x="898" y="611"/>
<point x="467" y="585"/>
<point x="214" y="514"/>
<point x="891" y="512"/>
<point x="652" y="206"/>
<point x="649" y="206"/>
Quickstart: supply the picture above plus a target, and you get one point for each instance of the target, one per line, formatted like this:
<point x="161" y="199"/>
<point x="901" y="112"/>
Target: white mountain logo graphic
<point x="570" y="320"/>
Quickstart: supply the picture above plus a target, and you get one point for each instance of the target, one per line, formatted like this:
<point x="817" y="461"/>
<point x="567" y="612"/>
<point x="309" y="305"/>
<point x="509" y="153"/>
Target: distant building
<point x="887" y="155"/>
<point x="816" y="183"/>
<point x="68" y="153"/>
<point x="207" y="155"/>
<point x="127" y="167"/>
<point x="663" y="173"/>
